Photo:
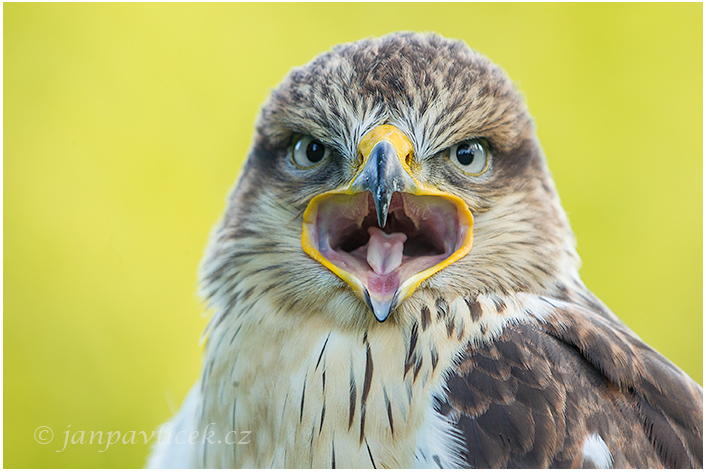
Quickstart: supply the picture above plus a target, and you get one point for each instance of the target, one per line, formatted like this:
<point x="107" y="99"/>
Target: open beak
<point x="384" y="232"/>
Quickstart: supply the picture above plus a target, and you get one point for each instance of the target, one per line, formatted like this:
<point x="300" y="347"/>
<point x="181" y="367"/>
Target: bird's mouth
<point x="422" y="234"/>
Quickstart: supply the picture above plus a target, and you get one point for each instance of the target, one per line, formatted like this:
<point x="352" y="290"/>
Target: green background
<point x="125" y="125"/>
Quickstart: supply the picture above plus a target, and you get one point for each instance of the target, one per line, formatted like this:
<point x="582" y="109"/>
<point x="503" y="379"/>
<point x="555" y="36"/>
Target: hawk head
<point x="382" y="170"/>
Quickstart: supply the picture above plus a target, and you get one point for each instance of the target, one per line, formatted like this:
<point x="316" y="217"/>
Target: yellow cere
<point x="394" y="136"/>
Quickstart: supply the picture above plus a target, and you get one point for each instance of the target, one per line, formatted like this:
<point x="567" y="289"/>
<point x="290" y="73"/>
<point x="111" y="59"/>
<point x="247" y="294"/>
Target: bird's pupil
<point x="315" y="151"/>
<point x="465" y="154"/>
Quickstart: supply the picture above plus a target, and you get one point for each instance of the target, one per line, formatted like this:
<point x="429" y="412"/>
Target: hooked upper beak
<point x="386" y="153"/>
<point x="385" y="232"/>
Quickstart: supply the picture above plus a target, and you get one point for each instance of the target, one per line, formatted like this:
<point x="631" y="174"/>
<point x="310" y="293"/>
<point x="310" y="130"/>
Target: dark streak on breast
<point x="284" y="407"/>
<point x="426" y="317"/>
<point x="323" y="414"/>
<point x="417" y="368"/>
<point x="351" y="408"/>
<point x="450" y="326"/>
<point x="442" y="308"/>
<point x="412" y="345"/>
<point x="235" y="334"/>
<point x="370" y="454"/>
<point x="301" y="411"/>
<point x="475" y="309"/>
<point x="322" y="352"/>
<point x="366" y="387"/>
<point x="389" y="411"/>
<point x="500" y="306"/>
<point x="333" y="455"/>
<point x="438" y="462"/>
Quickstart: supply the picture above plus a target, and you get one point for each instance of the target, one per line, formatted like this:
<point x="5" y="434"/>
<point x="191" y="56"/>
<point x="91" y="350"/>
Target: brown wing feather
<point x="668" y="401"/>
<point x="531" y="397"/>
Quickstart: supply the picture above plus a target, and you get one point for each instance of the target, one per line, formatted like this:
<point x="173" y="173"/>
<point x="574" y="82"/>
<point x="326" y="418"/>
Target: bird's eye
<point x="470" y="156"/>
<point x="307" y="152"/>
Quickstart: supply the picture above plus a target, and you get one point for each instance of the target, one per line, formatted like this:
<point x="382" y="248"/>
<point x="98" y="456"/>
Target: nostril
<point x="359" y="159"/>
<point x="408" y="159"/>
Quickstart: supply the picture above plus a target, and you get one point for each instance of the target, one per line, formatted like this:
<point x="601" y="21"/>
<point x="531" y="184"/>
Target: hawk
<point x="394" y="283"/>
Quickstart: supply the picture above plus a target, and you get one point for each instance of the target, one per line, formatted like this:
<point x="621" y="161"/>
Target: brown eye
<point x="307" y="152"/>
<point x="470" y="156"/>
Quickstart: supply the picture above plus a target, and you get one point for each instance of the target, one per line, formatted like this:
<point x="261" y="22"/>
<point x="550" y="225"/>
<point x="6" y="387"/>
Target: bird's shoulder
<point x="572" y="387"/>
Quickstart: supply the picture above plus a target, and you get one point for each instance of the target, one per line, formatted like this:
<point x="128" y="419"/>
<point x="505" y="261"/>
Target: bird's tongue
<point x="384" y="250"/>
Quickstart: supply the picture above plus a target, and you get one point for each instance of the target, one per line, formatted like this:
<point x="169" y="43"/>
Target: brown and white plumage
<point x="498" y="357"/>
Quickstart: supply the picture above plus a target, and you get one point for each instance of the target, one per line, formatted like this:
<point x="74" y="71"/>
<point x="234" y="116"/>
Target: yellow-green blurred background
<point x="125" y="126"/>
